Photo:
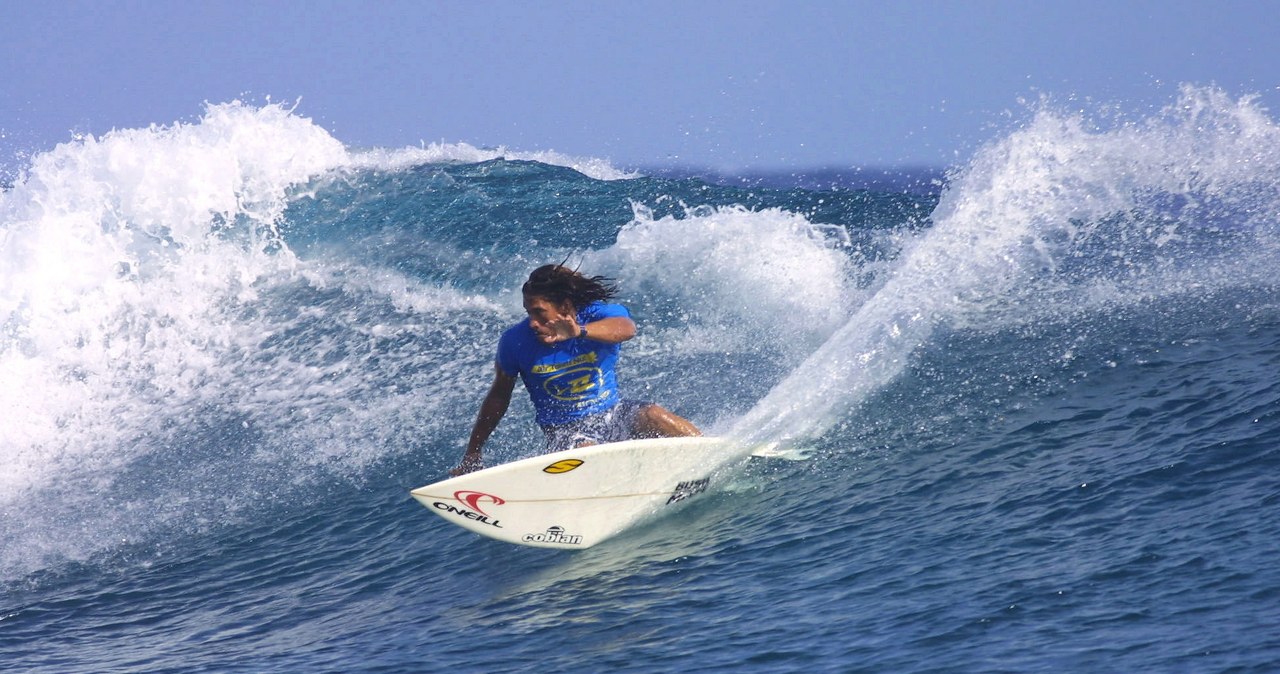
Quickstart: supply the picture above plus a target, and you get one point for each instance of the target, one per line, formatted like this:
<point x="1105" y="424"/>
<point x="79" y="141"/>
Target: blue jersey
<point x="567" y="380"/>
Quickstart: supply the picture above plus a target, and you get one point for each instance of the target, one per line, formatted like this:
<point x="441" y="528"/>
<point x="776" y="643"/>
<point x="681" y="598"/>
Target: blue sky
<point x="692" y="82"/>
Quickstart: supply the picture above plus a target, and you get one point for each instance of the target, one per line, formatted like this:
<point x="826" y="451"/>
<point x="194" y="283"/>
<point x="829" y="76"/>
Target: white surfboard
<point x="579" y="497"/>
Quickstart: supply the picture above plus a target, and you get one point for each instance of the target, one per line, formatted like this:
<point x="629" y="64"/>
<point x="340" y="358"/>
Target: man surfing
<point x="565" y="352"/>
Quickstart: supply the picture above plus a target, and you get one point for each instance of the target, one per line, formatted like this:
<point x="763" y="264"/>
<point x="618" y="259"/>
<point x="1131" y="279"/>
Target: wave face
<point x="1039" y="398"/>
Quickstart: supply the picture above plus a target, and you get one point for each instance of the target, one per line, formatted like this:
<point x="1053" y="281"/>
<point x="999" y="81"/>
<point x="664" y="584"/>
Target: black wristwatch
<point x="582" y="332"/>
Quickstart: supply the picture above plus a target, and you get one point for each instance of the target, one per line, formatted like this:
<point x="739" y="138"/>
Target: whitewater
<point x="1038" y="398"/>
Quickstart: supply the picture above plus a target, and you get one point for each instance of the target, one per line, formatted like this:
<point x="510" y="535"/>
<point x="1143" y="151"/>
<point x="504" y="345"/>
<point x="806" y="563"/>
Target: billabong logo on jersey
<point x="562" y="466"/>
<point x="473" y="498"/>
<point x="580" y="383"/>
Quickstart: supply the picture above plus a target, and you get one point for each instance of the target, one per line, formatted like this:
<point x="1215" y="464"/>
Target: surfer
<point x="565" y="352"/>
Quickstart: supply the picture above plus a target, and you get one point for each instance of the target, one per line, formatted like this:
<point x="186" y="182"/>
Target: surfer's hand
<point x="470" y="463"/>
<point x="562" y="329"/>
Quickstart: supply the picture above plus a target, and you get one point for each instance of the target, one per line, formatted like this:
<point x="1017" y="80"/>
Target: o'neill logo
<point x="472" y="500"/>
<point x="553" y="535"/>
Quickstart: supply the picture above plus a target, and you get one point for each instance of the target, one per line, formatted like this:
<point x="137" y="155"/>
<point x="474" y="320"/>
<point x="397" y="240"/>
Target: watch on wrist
<point x="582" y="332"/>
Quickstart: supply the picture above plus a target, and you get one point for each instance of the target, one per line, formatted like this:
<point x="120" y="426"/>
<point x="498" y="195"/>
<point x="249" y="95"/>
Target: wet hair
<point x="557" y="283"/>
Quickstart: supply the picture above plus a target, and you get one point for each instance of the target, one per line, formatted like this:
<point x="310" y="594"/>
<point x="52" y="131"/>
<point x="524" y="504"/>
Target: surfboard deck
<point x="577" y="498"/>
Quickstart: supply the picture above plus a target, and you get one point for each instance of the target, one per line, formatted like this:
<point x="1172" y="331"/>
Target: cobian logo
<point x="554" y="534"/>
<point x="473" y="499"/>
<point x="562" y="466"/>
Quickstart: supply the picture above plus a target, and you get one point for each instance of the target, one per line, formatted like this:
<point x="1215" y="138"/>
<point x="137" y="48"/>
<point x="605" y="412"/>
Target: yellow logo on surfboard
<point x="563" y="466"/>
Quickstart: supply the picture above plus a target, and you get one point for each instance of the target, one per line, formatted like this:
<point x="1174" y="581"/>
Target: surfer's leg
<point x="655" y="421"/>
<point x="566" y="437"/>
<point x="585" y="432"/>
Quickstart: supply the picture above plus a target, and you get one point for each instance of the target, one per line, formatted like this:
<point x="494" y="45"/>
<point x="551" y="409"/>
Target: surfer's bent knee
<point x="656" y="421"/>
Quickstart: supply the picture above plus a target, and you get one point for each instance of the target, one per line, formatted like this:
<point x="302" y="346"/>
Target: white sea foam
<point x="127" y="243"/>
<point x="746" y="279"/>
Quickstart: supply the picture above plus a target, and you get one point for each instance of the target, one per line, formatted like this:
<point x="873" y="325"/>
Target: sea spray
<point x="1038" y="223"/>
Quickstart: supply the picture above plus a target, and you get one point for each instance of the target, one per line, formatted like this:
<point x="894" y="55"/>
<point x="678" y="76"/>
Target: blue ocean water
<point x="1039" y="396"/>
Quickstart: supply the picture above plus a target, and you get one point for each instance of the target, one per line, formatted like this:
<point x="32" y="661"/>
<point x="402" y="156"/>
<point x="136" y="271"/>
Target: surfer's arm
<point x="492" y="410"/>
<point x="612" y="330"/>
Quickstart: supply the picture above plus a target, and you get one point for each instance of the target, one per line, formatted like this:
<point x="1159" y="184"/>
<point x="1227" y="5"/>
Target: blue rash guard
<point x="567" y="381"/>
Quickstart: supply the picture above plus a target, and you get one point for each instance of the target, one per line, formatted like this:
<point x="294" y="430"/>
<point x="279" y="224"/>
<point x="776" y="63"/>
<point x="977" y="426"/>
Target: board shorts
<point x="612" y="425"/>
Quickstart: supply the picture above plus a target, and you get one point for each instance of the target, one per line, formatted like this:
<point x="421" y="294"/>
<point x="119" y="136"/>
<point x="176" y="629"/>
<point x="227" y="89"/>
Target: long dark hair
<point x="557" y="283"/>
